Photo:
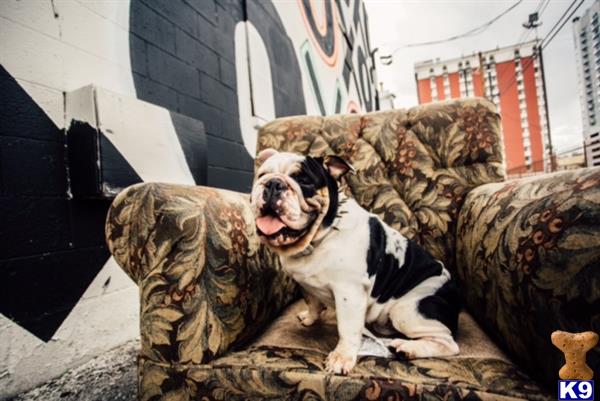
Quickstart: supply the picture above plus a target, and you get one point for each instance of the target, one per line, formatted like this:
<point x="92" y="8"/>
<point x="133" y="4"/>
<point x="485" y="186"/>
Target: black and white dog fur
<point x="348" y="259"/>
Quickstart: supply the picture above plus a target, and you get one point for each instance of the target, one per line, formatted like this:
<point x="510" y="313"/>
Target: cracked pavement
<point x="111" y="376"/>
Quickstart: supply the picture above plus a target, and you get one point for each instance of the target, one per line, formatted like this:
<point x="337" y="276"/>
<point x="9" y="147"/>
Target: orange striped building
<point x="511" y="78"/>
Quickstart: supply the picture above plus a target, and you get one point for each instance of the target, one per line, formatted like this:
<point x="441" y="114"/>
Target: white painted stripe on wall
<point x="145" y="136"/>
<point x="253" y="85"/>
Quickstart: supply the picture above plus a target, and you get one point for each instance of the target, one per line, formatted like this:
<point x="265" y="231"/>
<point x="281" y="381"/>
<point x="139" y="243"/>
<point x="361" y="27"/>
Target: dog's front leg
<point x="314" y="307"/>
<point x="350" y="306"/>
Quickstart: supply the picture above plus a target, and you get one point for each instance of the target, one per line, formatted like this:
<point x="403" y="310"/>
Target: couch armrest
<point x="528" y="257"/>
<point x="206" y="283"/>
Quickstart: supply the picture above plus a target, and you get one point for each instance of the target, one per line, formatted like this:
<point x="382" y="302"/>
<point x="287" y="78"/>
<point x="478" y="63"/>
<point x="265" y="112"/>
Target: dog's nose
<point x="273" y="189"/>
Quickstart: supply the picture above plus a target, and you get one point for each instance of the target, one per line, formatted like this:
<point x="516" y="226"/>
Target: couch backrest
<point x="414" y="167"/>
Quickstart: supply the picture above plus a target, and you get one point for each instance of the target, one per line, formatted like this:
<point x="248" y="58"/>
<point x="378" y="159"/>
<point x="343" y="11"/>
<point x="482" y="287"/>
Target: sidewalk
<point x="109" y="377"/>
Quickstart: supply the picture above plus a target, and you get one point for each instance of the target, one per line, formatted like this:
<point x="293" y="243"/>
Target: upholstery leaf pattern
<point x="292" y="374"/>
<point x="412" y="167"/>
<point x="529" y="254"/>
<point x="206" y="282"/>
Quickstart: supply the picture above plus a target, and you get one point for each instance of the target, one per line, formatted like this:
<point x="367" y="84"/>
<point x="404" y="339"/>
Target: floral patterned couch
<point x="218" y="314"/>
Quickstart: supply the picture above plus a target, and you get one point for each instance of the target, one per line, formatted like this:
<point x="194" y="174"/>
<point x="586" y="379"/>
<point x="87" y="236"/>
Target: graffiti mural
<point x="232" y="65"/>
<point x="314" y="55"/>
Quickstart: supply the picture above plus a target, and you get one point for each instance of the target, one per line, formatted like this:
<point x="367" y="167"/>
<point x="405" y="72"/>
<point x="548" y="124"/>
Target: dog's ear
<point x="337" y="166"/>
<point x="265" y="154"/>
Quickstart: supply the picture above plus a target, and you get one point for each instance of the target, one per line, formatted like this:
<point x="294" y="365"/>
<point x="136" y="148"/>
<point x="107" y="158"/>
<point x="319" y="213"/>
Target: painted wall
<point x="232" y="64"/>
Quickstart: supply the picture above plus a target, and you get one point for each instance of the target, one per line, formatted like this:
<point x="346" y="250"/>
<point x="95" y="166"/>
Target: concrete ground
<point x="108" y="377"/>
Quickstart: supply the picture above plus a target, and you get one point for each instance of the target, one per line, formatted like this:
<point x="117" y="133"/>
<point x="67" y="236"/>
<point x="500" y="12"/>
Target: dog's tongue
<point x="269" y="224"/>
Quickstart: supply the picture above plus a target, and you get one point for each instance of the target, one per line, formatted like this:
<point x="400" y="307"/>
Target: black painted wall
<point x="52" y="246"/>
<point x="183" y="59"/>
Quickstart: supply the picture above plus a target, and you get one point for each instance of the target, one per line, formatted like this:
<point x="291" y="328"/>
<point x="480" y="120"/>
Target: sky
<point x="393" y="23"/>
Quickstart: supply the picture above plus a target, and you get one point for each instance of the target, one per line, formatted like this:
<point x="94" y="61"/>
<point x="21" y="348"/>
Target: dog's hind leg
<point x="427" y="337"/>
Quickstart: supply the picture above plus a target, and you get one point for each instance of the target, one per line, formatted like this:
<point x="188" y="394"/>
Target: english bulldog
<point x="349" y="260"/>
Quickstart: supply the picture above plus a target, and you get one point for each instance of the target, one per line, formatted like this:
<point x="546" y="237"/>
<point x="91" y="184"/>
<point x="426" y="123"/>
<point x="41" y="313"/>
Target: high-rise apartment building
<point x="511" y="77"/>
<point x="586" y="30"/>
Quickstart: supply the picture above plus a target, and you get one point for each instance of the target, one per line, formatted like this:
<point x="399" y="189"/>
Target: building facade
<point x="230" y="66"/>
<point x="586" y="32"/>
<point x="511" y="77"/>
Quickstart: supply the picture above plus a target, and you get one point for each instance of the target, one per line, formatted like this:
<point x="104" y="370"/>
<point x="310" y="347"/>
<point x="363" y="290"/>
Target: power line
<point x="544" y="8"/>
<point x="532" y="23"/>
<point x="561" y="17"/>
<point x="527" y="31"/>
<point x="548" y="37"/>
<point x="472" y="32"/>
<point x="546" y="42"/>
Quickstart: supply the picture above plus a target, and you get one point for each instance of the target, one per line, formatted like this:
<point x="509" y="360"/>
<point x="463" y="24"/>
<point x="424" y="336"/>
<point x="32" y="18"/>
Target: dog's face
<point x="292" y="196"/>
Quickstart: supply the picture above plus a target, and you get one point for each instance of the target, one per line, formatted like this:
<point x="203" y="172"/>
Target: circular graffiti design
<point x="324" y="33"/>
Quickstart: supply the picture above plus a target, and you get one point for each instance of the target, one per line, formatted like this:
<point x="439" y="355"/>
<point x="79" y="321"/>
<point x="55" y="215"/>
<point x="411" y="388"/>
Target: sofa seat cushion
<point x="287" y="362"/>
<point x="287" y="332"/>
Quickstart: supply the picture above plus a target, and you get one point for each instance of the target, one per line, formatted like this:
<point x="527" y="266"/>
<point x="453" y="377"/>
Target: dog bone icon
<point x="575" y="346"/>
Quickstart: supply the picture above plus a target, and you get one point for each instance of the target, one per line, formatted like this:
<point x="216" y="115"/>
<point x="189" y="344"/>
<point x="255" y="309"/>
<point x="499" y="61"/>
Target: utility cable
<point x="472" y="32"/>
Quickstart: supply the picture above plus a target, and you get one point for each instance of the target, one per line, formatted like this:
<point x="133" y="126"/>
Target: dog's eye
<point x="302" y="180"/>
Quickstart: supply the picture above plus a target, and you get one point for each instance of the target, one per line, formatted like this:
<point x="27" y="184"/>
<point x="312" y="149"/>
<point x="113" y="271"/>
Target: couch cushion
<point x="287" y="361"/>
<point x="287" y="332"/>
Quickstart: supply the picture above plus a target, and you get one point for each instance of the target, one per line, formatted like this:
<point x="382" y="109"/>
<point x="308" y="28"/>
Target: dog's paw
<point x="305" y="318"/>
<point x="402" y="348"/>
<point x="339" y="363"/>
